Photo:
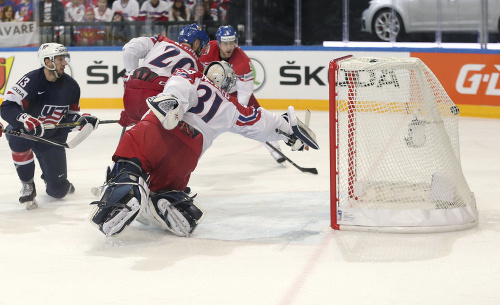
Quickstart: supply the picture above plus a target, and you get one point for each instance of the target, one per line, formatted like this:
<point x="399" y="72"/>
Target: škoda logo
<point x="5" y="67"/>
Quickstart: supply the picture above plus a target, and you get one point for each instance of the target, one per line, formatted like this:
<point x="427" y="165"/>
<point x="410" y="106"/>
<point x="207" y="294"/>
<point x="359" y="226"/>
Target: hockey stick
<point x="75" y="124"/>
<point x="82" y="135"/>
<point x="311" y="170"/>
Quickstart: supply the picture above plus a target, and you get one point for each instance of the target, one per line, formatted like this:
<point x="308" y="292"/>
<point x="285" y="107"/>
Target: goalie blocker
<point x="126" y="197"/>
<point x="302" y="135"/>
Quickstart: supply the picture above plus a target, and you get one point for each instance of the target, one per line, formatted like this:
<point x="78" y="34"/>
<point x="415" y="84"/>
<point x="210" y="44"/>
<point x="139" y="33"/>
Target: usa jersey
<point x="50" y="102"/>
<point x="161" y="55"/>
<point x="213" y="112"/>
<point x="242" y="67"/>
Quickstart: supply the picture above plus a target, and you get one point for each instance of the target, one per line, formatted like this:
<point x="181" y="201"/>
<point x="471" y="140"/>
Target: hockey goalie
<point x="154" y="159"/>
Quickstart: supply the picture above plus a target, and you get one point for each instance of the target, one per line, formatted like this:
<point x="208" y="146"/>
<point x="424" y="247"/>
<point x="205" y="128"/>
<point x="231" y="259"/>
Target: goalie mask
<point x="221" y="74"/>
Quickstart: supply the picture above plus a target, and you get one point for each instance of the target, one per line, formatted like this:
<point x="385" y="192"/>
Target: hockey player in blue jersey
<point x="43" y="96"/>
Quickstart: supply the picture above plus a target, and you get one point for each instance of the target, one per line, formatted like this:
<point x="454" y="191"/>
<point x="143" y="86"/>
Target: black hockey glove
<point x="87" y="118"/>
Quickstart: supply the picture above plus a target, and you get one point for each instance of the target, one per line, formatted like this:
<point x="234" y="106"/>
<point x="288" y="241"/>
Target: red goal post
<point x="395" y="161"/>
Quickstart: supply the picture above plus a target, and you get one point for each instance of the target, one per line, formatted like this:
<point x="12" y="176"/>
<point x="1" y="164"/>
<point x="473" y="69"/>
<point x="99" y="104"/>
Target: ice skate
<point x="28" y="194"/>
<point x="71" y="188"/>
<point x="96" y="190"/>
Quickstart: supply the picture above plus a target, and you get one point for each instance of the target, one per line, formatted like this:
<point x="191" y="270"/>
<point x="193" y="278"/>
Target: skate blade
<point x="31" y="205"/>
<point x="96" y="191"/>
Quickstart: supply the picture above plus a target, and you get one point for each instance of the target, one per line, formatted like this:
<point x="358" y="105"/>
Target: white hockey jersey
<point x="213" y="112"/>
<point x="130" y="10"/>
<point x="161" y="55"/>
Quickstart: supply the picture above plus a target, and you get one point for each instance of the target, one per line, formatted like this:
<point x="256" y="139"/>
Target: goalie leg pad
<point x="121" y="198"/>
<point x="175" y="211"/>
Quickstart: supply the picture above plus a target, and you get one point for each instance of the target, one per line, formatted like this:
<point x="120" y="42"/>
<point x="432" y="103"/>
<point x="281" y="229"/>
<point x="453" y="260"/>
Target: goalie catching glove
<point x="302" y="136"/>
<point x="166" y="108"/>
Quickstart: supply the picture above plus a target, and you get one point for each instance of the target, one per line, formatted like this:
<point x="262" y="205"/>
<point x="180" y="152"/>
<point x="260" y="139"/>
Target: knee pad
<point x="121" y="198"/>
<point x="57" y="189"/>
<point x="174" y="211"/>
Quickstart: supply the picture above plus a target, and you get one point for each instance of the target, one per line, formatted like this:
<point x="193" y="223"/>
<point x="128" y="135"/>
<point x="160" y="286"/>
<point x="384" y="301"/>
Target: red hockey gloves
<point x="31" y="125"/>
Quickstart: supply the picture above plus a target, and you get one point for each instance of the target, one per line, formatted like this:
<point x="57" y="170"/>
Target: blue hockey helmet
<point x="226" y="33"/>
<point x="191" y="32"/>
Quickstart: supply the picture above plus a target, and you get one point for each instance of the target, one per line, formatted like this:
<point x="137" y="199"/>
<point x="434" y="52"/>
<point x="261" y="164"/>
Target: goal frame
<point x="334" y="168"/>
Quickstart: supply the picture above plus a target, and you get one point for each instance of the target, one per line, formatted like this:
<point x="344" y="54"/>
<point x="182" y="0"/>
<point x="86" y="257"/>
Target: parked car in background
<point x="420" y="16"/>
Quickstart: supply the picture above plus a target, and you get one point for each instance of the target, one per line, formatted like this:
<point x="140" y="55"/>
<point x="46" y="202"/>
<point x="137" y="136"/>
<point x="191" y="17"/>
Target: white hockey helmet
<point x="50" y="50"/>
<point x="221" y="74"/>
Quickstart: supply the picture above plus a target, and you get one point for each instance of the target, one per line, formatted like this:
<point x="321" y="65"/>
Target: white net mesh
<point x="398" y="157"/>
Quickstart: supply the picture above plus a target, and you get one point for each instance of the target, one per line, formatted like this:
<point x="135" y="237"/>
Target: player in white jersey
<point x="162" y="57"/>
<point x="129" y="8"/>
<point x="165" y="146"/>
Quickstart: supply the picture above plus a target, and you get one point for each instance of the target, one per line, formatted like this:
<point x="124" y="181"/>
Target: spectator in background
<point x="51" y="11"/>
<point x="91" y="3"/>
<point x="24" y="11"/>
<point x="120" y="30"/>
<point x="89" y="35"/>
<point x="102" y="12"/>
<point x="74" y="11"/>
<point x="155" y="10"/>
<point x="4" y="3"/>
<point x="201" y="15"/>
<point x="179" y="11"/>
<point x="217" y="7"/>
<point x="188" y="3"/>
<point x="128" y="8"/>
<point x="8" y="14"/>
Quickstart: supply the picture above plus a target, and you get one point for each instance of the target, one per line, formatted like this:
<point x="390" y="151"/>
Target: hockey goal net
<point x="395" y="160"/>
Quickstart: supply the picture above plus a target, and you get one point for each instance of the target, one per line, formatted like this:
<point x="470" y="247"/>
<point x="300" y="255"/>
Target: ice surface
<point x="265" y="238"/>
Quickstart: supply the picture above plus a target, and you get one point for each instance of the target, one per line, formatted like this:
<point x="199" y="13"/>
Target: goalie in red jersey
<point x="226" y="48"/>
<point x="155" y="158"/>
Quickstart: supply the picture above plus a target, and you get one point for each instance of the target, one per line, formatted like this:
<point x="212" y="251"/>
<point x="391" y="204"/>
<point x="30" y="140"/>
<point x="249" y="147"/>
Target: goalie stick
<point x="311" y="170"/>
<point x="82" y="135"/>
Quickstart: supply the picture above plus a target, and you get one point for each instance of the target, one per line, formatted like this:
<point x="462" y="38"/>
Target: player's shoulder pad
<point x="191" y="75"/>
